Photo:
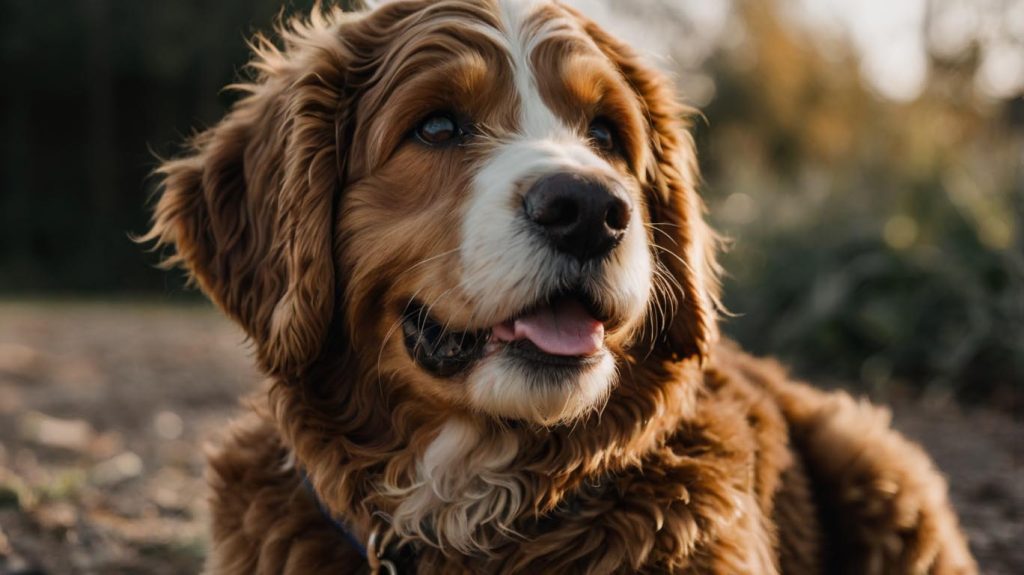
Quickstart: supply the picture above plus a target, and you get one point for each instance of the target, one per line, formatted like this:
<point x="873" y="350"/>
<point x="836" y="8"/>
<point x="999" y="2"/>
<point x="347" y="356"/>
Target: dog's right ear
<point x="685" y="244"/>
<point x="249" y="210"/>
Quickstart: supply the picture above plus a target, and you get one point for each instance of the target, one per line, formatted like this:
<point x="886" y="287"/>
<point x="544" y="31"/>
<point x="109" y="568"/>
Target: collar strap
<point x="377" y="558"/>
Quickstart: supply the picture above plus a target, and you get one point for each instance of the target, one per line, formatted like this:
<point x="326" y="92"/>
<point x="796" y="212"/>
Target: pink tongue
<point x="562" y="328"/>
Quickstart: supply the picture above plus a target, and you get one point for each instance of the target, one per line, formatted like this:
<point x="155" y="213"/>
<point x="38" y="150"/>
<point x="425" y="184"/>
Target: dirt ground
<point x="104" y="409"/>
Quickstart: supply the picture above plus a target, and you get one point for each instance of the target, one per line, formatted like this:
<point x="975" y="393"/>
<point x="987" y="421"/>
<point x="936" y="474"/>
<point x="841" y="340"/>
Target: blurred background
<point x="866" y="160"/>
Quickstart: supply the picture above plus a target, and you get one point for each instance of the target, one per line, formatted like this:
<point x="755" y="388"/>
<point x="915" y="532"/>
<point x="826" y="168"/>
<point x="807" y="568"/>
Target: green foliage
<point x="836" y="299"/>
<point x="873" y="241"/>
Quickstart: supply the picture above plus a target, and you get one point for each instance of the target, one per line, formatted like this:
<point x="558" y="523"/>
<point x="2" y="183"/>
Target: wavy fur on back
<point x="309" y="220"/>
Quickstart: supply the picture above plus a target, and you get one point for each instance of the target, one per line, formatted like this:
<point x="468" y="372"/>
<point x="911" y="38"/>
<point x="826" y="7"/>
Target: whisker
<point x="675" y="255"/>
<point x="394" y="326"/>
<point x="430" y="308"/>
<point x="654" y="227"/>
<point x="426" y="260"/>
<point x="667" y="224"/>
<point x="387" y="336"/>
<point x="663" y="305"/>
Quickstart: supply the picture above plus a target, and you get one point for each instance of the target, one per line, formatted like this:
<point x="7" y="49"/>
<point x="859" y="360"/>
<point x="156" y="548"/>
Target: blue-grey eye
<point x="438" y="128"/>
<point x="602" y="135"/>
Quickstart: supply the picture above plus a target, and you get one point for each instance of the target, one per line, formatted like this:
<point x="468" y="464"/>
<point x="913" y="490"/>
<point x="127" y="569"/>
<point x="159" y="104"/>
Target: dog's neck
<point x="459" y="480"/>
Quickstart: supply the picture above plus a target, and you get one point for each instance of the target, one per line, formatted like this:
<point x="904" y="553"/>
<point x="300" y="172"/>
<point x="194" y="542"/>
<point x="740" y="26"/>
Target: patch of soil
<point x="981" y="452"/>
<point x="103" y="412"/>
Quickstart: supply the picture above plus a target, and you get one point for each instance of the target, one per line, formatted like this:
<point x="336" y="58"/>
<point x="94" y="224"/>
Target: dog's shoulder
<point x="882" y="504"/>
<point x="263" y="518"/>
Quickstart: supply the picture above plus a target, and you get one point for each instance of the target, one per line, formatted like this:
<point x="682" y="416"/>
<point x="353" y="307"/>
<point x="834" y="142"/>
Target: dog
<point x="466" y="242"/>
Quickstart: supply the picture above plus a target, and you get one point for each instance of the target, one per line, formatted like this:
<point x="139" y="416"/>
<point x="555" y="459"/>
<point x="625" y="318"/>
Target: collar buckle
<point x="379" y="563"/>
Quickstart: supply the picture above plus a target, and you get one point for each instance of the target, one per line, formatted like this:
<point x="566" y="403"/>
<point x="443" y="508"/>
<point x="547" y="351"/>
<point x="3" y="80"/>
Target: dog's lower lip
<point x="525" y="350"/>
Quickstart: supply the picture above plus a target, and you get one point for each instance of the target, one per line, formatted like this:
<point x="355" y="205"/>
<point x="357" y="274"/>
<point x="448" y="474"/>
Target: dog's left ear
<point x="686" y="245"/>
<point x="249" y="209"/>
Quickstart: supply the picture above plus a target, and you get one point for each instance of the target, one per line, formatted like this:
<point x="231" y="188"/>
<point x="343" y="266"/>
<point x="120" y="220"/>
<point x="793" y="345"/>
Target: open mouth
<point x="565" y="329"/>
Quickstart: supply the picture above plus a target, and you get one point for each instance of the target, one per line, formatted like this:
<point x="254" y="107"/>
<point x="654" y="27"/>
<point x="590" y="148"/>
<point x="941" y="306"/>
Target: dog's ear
<point x="248" y="210"/>
<point x="685" y="245"/>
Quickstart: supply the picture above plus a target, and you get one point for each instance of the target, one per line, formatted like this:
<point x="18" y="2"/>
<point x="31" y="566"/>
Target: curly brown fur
<point x="312" y="217"/>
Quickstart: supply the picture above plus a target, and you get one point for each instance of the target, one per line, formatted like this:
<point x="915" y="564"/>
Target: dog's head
<point x="491" y="201"/>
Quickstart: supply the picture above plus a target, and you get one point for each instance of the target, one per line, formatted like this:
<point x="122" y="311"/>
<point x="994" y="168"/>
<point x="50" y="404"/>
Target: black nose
<point x="583" y="216"/>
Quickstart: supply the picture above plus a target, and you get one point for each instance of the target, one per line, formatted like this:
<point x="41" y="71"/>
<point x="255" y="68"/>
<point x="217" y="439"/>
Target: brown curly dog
<point x="465" y="239"/>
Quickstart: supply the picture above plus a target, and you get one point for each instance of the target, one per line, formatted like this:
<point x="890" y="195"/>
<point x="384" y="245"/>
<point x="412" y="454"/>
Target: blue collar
<point x="385" y="562"/>
<point x="337" y="523"/>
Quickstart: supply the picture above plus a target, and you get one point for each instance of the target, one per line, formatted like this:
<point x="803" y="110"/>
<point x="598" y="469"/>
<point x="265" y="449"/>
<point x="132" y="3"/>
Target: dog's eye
<point x="438" y="128"/>
<point x="602" y="135"/>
